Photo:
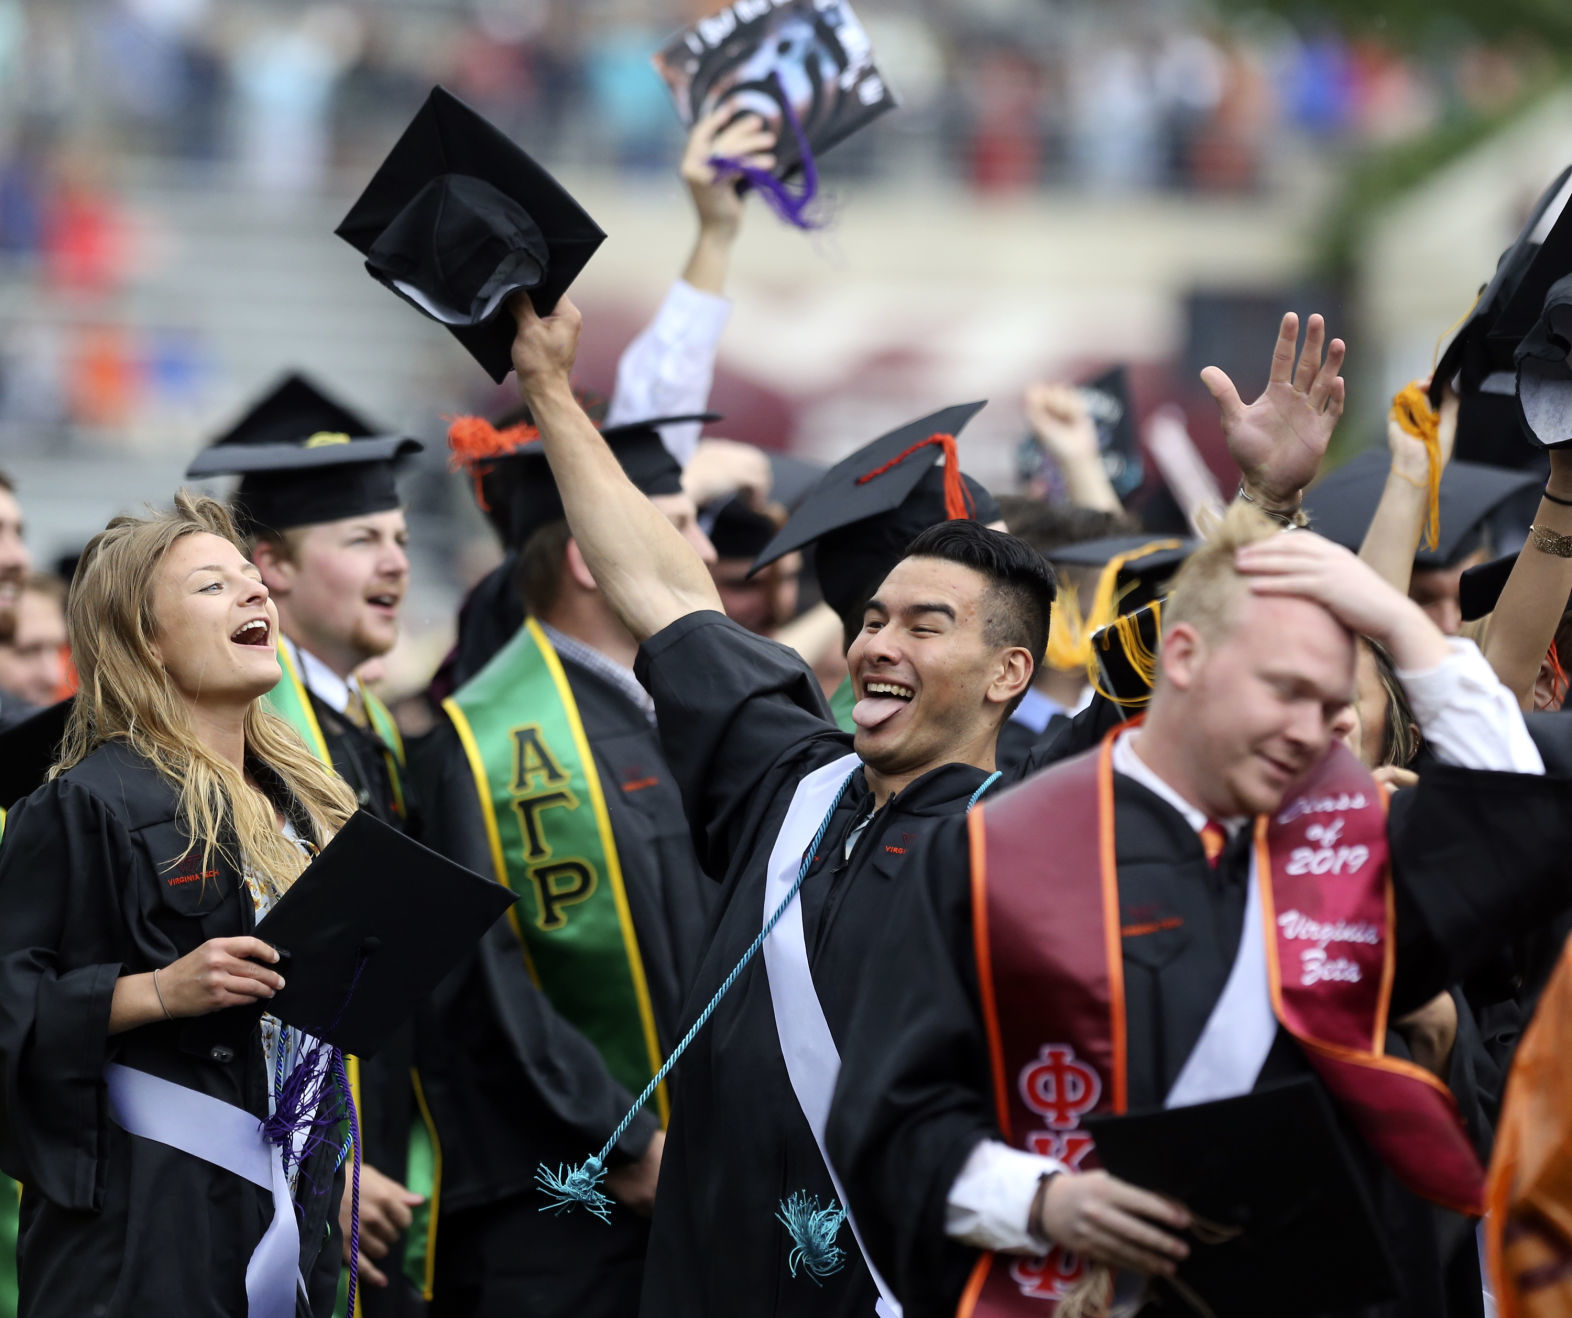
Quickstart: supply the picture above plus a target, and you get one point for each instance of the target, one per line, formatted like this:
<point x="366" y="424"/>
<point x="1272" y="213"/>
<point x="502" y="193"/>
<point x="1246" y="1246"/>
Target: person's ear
<point x="277" y="568"/>
<point x="1182" y="655"/>
<point x="577" y="568"/>
<point x="1013" y="671"/>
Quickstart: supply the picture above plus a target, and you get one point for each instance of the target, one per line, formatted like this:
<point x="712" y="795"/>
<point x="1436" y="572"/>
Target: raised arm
<point x="1535" y="595"/>
<point x="648" y="573"/>
<point x="1393" y="538"/>
<point x="1280" y="439"/>
<point x="1065" y="430"/>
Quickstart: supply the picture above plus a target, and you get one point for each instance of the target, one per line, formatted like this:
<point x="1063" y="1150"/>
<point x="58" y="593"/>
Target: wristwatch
<point x="1550" y="542"/>
<point x="1298" y="518"/>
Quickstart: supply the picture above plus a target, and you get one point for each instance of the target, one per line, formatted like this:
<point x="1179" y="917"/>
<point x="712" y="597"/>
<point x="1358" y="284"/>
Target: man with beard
<point x="320" y="509"/>
<point x="15" y="563"/>
<point x="746" y="1220"/>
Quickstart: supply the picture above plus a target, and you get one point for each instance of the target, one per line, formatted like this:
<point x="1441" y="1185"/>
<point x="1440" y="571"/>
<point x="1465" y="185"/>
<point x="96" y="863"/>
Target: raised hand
<point x="1279" y="440"/>
<point x="1410" y="458"/>
<point x="545" y="346"/>
<point x="715" y="196"/>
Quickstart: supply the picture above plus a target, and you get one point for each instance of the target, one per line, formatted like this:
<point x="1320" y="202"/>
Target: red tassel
<point x="957" y="498"/>
<point x="472" y="439"/>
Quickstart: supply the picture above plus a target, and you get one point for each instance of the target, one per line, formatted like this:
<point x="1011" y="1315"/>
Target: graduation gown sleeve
<point x="61" y="854"/>
<point x="730" y="706"/>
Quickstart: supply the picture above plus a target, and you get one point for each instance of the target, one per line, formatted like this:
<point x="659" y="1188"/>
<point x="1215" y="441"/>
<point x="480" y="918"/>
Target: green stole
<point x="292" y="702"/>
<point x="841" y="704"/>
<point x="551" y="842"/>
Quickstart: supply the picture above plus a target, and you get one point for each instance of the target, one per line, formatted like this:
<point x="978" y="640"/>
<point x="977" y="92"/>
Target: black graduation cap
<point x="1342" y="504"/>
<point x="737" y="529"/>
<point x="28" y="749"/>
<point x="867" y="508"/>
<point x="1145" y="562"/>
<point x="1479" y="588"/>
<point x="1125" y="655"/>
<point x="303" y="458"/>
<point x="1294" y="1236"/>
<point x="1511" y="302"/>
<point x="369" y="929"/>
<point x="1544" y="375"/>
<point x="458" y="218"/>
<point x="516" y="468"/>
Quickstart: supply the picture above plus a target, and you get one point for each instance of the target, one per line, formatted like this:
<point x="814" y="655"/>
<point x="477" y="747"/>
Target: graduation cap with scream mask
<point x="457" y="219"/>
<point x="1342" y="504"/>
<point x="866" y="509"/>
<point x="304" y="458"/>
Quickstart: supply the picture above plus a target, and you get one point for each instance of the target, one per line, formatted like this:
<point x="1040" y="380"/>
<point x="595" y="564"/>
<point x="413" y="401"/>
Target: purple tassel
<point x="307" y="1102"/>
<point x="793" y="207"/>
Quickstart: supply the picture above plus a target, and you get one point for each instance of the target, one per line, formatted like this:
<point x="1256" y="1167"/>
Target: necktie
<point x="355" y="709"/>
<point x="1213" y="840"/>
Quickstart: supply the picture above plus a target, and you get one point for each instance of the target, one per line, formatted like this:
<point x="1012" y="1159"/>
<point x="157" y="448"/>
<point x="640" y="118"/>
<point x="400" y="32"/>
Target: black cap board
<point x="1479" y="589"/>
<point x="27" y="750"/>
<point x="1501" y="316"/>
<point x="1342" y="504"/>
<point x="369" y="929"/>
<point x="1299" y="1237"/>
<point x="1126" y="656"/>
<point x="1148" y="561"/>
<point x="304" y="458"/>
<point x="737" y="529"/>
<point x="458" y="218"/>
<point x="524" y="477"/>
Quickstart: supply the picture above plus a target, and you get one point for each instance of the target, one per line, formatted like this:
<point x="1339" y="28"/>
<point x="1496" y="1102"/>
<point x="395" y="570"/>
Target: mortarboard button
<point x="219" y="1053"/>
<point x="458" y="217"/>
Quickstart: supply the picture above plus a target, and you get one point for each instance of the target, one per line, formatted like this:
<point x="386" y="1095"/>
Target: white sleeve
<point x="1468" y="717"/>
<point x="990" y="1204"/>
<point x="669" y="368"/>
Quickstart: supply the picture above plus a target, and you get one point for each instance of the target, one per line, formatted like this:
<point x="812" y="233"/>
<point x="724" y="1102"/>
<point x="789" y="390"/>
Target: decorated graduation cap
<point x="303" y="458"/>
<point x="458" y="218"/>
<point x="868" y="507"/>
<point x="1256" y="1227"/>
<point x="1511" y="302"/>
<point x="510" y="463"/>
<point x="28" y="749"/>
<point x="1343" y="503"/>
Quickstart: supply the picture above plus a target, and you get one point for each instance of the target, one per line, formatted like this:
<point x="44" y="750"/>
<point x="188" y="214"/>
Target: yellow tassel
<point x="1125" y="630"/>
<point x="1070" y="631"/>
<point x="1412" y="411"/>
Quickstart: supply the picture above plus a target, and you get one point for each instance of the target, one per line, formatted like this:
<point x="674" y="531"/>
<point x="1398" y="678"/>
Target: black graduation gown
<point x="113" y="1224"/>
<point x="511" y="1084"/>
<point x="1475" y="857"/>
<point x="743" y="722"/>
<point x="387" y="1101"/>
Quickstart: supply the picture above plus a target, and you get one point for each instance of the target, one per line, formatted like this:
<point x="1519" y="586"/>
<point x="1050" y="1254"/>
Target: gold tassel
<point x="1070" y="631"/>
<point x="1091" y="1297"/>
<point x="1412" y="411"/>
<point x="1126" y="631"/>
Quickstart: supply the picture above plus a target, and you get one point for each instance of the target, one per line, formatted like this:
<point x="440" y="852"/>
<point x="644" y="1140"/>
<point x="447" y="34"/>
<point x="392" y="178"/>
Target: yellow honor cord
<point x="1412" y="411"/>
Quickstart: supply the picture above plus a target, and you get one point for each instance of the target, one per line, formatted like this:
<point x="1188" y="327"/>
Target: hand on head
<point x="545" y="347"/>
<point x="746" y="138"/>
<point x="1279" y="440"/>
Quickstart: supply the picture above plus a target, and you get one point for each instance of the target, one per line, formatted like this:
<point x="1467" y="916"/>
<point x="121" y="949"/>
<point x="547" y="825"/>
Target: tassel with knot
<point x="1412" y="411"/>
<point x="472" y="440"/>
<point x="580" y="1187"/>
<point x="813" y="1231"/>
<point x="957" y="498"/>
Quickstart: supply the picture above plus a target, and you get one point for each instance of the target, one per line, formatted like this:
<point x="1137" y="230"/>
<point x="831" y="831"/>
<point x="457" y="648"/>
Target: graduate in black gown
<point x="129" y="886"/>
<point x="321" y="512"/>
<point x="1256" y="671"/>
<point x="520" y="1068"/>
<point x="943" y="652"/>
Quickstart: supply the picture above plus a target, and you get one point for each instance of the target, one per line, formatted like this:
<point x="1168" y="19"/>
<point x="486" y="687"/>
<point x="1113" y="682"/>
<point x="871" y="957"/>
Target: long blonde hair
<point x="127" y="696"/>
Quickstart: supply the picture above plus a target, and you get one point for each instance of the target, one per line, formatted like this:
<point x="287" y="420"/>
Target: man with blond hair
<point x="1136" y="964"/>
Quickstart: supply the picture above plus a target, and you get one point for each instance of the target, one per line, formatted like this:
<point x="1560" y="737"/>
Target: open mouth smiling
<point x="255" y="633"/>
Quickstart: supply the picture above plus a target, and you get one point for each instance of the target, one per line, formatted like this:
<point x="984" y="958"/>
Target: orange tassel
<point x="957" y="498"/>
<point x="1412" y="411"/>
<point x="472" y="439"/>
<point x="1558" y="676"/>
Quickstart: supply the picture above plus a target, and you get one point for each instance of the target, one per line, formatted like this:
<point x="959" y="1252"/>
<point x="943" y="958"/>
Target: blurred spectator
<point x="33" y="663"/>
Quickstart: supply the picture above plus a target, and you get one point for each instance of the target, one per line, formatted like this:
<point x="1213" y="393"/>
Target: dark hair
<point x="7" y="484"/>
<point x="1021" y="584"/>
<point x="1047" y="527"/>
<point x="538" y="577"/>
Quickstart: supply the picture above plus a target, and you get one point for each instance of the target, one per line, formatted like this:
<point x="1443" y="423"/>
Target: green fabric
<point x="552" y="843"/>
<point x="10" y="1211"/>
<point x="841" y="706"/>
<point x="420" y="1177"/>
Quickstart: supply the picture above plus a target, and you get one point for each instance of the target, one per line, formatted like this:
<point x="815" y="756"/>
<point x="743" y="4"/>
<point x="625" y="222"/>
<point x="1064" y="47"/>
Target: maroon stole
<point x="1050" y="970"/>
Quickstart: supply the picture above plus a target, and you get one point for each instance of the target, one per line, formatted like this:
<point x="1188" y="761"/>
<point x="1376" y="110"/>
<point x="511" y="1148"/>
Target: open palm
<point x="1279" y="440"/>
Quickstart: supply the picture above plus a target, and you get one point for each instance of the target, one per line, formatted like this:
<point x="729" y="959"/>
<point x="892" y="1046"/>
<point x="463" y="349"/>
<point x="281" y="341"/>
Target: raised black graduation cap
<point x="457" y="218"/>
<point x="867" y="508"/>
<point x="28" y="749"/>
<point x="1300" y="1237"/>
<point x="303" y="458"/>
<point x="1544" y="374"/>
<point x="1510" y="303"/>
<point x="523" y="476"/>
<point x="369" y="929"/>
<point x="1342" y="504"/>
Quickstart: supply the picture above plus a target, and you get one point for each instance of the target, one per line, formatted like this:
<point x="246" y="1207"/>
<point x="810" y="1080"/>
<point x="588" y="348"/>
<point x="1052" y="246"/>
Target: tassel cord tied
<point x="813" y="1231"/>
<point x="581" y="1186"/>
<point x="793" y="207"/>
<point x="1412" y="412"/>
<point x="957" y="498"/>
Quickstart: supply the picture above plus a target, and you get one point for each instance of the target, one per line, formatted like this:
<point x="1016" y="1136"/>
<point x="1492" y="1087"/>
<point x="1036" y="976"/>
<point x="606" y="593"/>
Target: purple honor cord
<point x="793" y="207"/>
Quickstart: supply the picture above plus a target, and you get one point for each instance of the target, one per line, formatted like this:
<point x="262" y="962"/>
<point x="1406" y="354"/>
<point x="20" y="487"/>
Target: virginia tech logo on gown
<point x="540" y="783"/>
<point x="1060" y="1088"/>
